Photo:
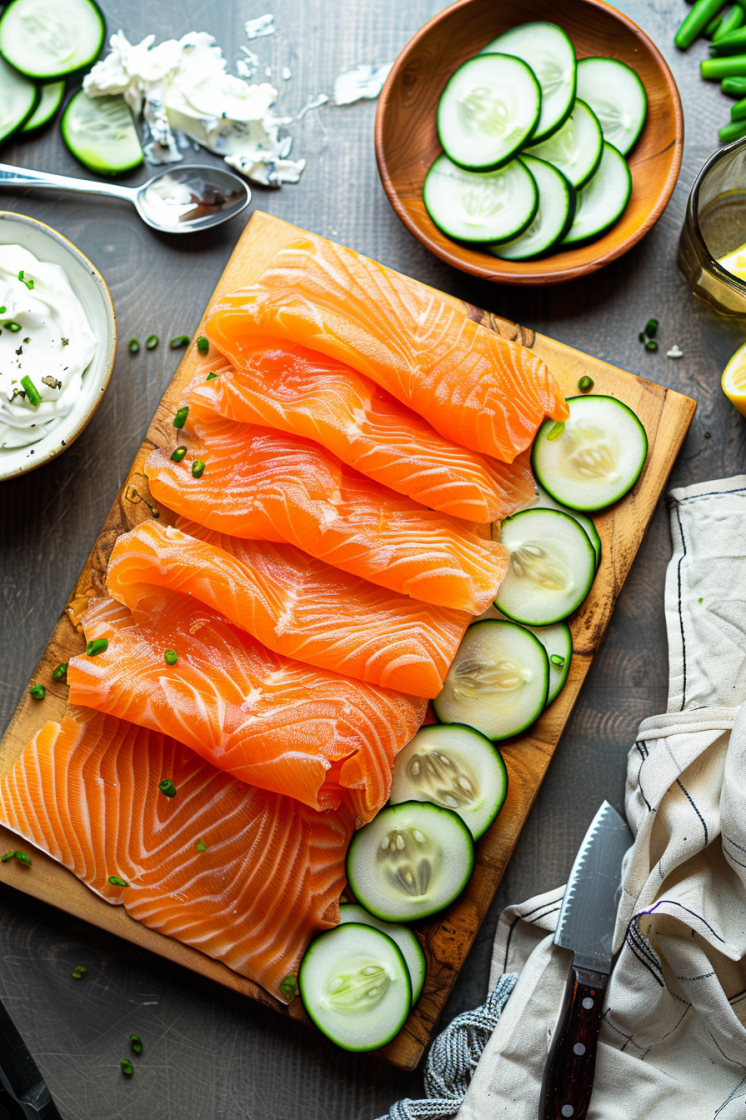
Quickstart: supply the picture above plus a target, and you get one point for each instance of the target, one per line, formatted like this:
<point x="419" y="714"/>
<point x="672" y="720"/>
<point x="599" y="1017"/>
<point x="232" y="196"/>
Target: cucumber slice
<point x="552" y="566"/>
<point x="454" y="767"/>
<point x="498" y="682"/>
<point x="547" y="502"/>
<point x="595" y="459"/>
<point x="410" y="947"/>
<point x="576" y="148"/>
<point x="410" y="862"/>
<point x="487" y="111"/>
<point x="547" y="50"/>
<point x="603" y="200"/>
<point x="100" y="132"/>
<point x="492" y="206"/>
<point x="617" y="97"/>
<point x="49" y="103"/>
<point x="557" y="641"/>
<point x="47" y="40"/>
<point x="355" y="986"/>
<point x="553" y="217"/>
<point x="18" y="101"/>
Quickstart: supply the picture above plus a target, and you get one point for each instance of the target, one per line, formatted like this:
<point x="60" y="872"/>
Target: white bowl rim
<point x="65" y="437"/>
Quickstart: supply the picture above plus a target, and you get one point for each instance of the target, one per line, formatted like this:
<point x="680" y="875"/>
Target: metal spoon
<point x="181" y="199"/>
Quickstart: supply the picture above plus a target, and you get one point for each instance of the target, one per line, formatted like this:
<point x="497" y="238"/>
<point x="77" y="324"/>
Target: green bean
<point x="733" y="131"/>
<point x="733" y="67"/>
<point x="729" y="23"/>
<point x="696" y="21"/>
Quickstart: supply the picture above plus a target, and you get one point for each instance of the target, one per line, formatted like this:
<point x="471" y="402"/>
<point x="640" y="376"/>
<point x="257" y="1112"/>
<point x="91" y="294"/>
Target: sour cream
<point x="44" y="336"/>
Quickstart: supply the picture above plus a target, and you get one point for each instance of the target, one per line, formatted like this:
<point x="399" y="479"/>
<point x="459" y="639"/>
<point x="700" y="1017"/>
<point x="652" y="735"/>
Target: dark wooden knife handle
<point x="568" y="1076"/>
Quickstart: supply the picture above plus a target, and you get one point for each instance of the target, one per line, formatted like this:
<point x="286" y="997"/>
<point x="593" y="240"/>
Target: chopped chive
<point x="135" y="1044"/>
<point x="167" y="786"/>
<point x="556" y="431"/>
<point x="181" y="416"/>
<point x="29" y="283"/>
<point x="198" y="468"/>
<point x="288" y="987"/>
<point x="79" y="972"/>
<point x="3" y="310"/>
<point x="651" y="328"/>
<point x="6" y="857"/>
<point x="178" y="454"/>
<point x="178" y="343"/>
<point x="557" y="660"/>
<point x="117" y="881"/>
<point x="12" y="326"/>
<point x="641" y="336"/>
<point x="586" y="384"/>
<point x="170" y="657"/>
<point x="32" y="393"/>
<point x="651" y="345"/>
<point x="203" y="344"/>
<point x="127" y="1067"/>
<point x="201" y="846"/>
<point x="133" y="346"/>
<point x="60" y="671"/>
<point x="38" y="691"/>
<point x="99" y="645"/>
<point x="151" y="342"/>
<point x="210" y="376"/>
<point x="701" y="600"/>
<point x="65" y="341"/>
<point x="23" y="858"/>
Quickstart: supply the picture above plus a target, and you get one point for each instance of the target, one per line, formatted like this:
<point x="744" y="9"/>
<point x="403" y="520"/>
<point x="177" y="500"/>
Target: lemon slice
<point x="735" y="262"/>
<point x="734" y="379"/>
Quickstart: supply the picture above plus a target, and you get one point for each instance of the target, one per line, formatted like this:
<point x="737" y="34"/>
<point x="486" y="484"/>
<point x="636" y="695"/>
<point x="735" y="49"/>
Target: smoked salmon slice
<point x="262" y="484"/>
<point x="244" y="875"/>
<point x="272" y="722"/>
<point x="471" y="385"/>
<point x="296" y="605"/>
<point x="302" y="392"/>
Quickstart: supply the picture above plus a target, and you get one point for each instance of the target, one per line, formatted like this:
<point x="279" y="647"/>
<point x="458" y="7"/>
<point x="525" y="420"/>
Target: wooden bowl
<point x="407" y="142"/>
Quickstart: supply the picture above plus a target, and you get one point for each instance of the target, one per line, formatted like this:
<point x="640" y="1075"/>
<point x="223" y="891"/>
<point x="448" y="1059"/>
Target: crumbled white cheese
<point x="259" y="27"/>
<point x="313" y="103"/>
<point x="182" y="86"/>
<point x="674" y="352"/>
<point x="360" y="83"/>
<point x="286" y="74"/>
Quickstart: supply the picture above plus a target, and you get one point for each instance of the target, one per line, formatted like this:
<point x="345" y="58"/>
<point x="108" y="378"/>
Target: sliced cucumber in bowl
<point x="602" y="201"/>
<point x="410" y="947"/>
<point x="551" y="569"/>
<point x="595" y="458"/>
<point x="101" y="134"/>
<point x="498" y="681"/>
<point x="493" y="206"/>
<point x="549" y="52"/>
<point x="553" y="217"/>
<point x="18" y="100"/>
<point x="576" y="148"/>
<point x="617" y="97"/>
<point x="455" y="767"/>
<point x="50" y="39"/>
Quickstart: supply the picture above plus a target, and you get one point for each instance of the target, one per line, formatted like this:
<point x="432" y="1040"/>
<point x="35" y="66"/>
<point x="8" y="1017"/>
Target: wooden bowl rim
<point x="498" y="273"/>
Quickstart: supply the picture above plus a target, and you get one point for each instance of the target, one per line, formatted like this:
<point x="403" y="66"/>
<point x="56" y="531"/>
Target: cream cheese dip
<point x="46" y="345"/>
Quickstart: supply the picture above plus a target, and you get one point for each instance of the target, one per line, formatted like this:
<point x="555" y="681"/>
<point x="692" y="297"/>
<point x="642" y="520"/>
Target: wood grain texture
<point x="407" y="140"/>
<point x="446" y="940"/>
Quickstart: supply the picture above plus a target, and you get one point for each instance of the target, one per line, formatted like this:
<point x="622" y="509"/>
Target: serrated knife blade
<point x="586" y="927"/>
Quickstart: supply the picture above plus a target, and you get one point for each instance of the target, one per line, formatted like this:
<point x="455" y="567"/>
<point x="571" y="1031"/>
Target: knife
<point x="586" y="926"/>
<point x="23" y="1092"/>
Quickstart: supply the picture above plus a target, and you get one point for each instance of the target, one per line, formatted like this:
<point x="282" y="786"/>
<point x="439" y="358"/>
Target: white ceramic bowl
<point x="90" y="288"/>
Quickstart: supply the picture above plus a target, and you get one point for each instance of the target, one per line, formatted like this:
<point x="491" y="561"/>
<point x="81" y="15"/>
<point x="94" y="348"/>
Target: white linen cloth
<point x="672" y="1043"/>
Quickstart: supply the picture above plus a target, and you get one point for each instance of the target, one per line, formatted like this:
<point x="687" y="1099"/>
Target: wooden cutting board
<point x="447" y="939"/>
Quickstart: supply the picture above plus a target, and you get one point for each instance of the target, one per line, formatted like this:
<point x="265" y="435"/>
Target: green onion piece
<point x="117" y="881"/>
<point x="99" y="645"/>
<point x="203" y="344"/>
<point x="29" y="283"/>
<point x="696" y="21"/>
<point x="167" y="786"/>
<point x="731" y="87"/>
<point x="198" y="468"/>
<point x="288" y="987"/>
<point x="586" y="384"/>
<point x="733" y="131"/>
<point x="651" y="345"/>
<point x="178" y="343"/>
<point x="6" y="857"/>
<point x="557" y="660"/>
<point x="651" y="328"/>
<point x="38" y="691"/>
<point x="201" y="844"/>
<point x="178" y="454"/>
<point x="12" y="326"/>
<point x="733" y="67"/>
<point x="701" y="600"/>
<point x="32" y="393"/>
<point x="60" y="671"/>
<point x="556" y="431"/>
<point x="151" y="342"/>
<point x="170" y="657"/>
<point x="23" y="858"/>
<point x="127" y="1067"/>
<point x="133" y="346"/>
<point x="712" y="27"/>
<point x="641" y="337"/>
<point x="728" y="39"/>
<point x="136" y="1044"/>
<point x="210" y="376"/>
<point x="79" y="972"/>
<point x="3" y="310"/>
<point x="181" y="417"/>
